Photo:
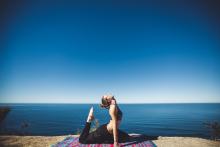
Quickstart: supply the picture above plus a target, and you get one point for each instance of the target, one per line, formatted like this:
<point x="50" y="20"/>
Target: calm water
<point x="150" y="119"/>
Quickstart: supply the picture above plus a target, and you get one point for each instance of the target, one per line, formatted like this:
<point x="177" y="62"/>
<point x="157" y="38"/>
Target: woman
<point x="109" y="132"/>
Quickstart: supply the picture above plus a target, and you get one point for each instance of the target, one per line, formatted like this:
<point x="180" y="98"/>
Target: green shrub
<point x="3" y="112"/>
<point x="214" y="128"/>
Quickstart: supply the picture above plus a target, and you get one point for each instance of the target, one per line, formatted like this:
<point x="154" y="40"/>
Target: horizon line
<point x="118" y="103"/>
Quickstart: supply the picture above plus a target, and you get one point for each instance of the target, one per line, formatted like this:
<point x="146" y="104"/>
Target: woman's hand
<point x="116" y="144"/>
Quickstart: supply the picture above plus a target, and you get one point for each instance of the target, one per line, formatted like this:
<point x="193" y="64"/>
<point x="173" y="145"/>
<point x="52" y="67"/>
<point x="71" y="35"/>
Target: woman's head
<point x="106" y="101"/>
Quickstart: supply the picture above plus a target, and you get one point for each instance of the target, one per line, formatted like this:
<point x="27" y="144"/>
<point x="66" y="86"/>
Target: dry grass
<point x="46" y="141"/>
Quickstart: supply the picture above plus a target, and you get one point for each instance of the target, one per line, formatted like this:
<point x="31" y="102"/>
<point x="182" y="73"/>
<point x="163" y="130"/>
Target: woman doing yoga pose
<point x="106" y="133"/>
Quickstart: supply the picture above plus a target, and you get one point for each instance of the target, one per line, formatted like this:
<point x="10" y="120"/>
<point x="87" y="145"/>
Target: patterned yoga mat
<point x="71" y="141"/>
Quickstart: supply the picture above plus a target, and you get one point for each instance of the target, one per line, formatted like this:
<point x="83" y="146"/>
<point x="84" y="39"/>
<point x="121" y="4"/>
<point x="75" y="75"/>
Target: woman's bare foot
<point x="90" y="116"/>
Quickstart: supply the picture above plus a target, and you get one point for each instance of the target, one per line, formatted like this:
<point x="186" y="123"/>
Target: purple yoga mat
<point x="71" y="141"/>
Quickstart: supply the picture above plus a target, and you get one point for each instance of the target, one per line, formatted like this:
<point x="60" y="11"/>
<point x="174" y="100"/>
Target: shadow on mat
<point x="140" y="138"/>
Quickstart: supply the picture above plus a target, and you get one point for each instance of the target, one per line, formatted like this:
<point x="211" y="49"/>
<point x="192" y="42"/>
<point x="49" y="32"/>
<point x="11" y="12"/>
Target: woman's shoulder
<point x="113" y="102"/>
<point x="113" y="106"/>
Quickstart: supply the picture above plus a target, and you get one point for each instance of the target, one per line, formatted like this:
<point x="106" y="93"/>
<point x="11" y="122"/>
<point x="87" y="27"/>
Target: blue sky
<point x="74" y="52"/>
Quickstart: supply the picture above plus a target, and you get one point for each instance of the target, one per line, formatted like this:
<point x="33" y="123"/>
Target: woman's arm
<point x="113" y="114"/>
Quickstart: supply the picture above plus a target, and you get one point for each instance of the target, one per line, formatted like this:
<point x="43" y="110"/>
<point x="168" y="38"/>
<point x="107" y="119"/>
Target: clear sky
<point x="142" y="52"/>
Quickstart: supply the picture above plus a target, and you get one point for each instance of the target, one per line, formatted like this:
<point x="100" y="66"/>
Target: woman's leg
<point x="100" y="135"/>
<point x="123" y="136"/>
<point x="85" y="133"/>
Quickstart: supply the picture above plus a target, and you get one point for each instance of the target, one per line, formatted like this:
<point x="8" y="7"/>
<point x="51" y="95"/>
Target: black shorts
<point x="101" y="135"/>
